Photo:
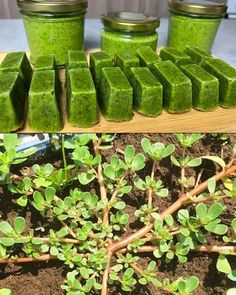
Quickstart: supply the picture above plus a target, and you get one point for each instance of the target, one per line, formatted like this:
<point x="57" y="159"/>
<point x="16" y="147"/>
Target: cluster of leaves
<point x="86" y="223"/>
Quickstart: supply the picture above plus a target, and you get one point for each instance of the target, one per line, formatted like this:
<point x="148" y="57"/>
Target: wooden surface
<point x="221" y="120"/>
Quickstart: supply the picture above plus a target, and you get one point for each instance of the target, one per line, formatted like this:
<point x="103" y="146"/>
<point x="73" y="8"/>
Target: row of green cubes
<point x="182" y="79"/>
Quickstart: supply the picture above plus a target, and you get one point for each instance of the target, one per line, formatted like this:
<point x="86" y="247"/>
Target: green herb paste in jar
<point x="125" y="32"/>
<point x="194" y="22"/>
<point x="53" y="27"/>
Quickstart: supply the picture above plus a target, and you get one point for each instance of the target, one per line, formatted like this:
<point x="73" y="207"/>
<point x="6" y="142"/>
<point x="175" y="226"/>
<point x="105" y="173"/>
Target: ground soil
<point x="46" y="278"/>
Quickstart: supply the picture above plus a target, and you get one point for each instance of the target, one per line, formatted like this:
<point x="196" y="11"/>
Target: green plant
<point x="5" y="291"/>
<point x="90" y="236"/>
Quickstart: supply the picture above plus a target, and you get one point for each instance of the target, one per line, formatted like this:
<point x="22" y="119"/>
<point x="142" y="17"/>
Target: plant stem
<point x="183" y="173"/>
<point x="64" y="156"/>
<point x="45" y="257"/>
<point x="103" y="192"/>
<point x="106" y="275"/>
<point x="114" y="195"/>
<point x="170" y="210"/>
<point x="150" y="191"/>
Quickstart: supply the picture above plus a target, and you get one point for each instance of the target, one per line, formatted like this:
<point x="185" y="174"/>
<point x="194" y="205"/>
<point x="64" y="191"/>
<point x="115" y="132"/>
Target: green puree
<point x="45" y="62"/>
<point x="187" y="30"/>
<point x="18" y="62"/>
<point x="147" y="56"/>
<point x="82" y="99"/>
<point x="177" y="87"/>
<point x="54" y="35"/>
<point x="12" y="101"/>
<point x="115" y="41"/>
<point x="205" y="87"/>
<point x="126" y="61"/>
<point x="177" y="57"/>
<point x="116" y="95"/>
<point x="44" y="102"/>
<point x="196" y="54"/>
<point x="226" y="75"/>
<point x="77" y="59"/>
<point x="98" y="61"/>
<point x="148" y="92"/>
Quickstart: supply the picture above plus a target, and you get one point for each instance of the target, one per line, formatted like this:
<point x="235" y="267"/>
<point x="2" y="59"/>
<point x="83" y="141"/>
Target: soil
<point x="46" y="278"/>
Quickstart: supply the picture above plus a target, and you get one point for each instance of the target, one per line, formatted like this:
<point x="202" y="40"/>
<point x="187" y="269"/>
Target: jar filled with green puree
<point x="53" y="27"/>
<point x="127" y="31"/>
<point x="194" y="22"/>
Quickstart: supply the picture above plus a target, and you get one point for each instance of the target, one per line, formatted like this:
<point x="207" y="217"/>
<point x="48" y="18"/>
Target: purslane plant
<point x="91" y="238"/>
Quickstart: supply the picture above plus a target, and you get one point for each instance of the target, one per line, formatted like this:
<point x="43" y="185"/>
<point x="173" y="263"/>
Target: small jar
<point x="126" y="32"/>
<point x="53" y="27"/>
<point x="194" y="22"/>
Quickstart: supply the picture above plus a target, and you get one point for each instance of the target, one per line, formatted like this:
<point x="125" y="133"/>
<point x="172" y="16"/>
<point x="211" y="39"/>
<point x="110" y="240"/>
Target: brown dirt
<point x="46" y="278"/>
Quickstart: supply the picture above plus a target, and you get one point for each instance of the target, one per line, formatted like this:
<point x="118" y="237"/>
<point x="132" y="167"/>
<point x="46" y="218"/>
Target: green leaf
<point x="5" y="291"/>
<point x="194" y="163"/>
<point x="191" y="284"/>
<point x="128" y="274"/>
<point x="151" y="265"/>
<point x="233" y="224"/>
<point x="10" y="141"/>
<point x="211" y="184"/>
<point x="119" y="205"/>
<point x="86" y="178"/>
<point x="215" y="211"/>
<point x="5" y="227"/>
<point x="201" y="211"/>
<point x="232" y="276"/>
<point x="129" y="153"/>
<point x="38" y="198"/>
<point x="175" y="161"/>
<point x="138" y="162"/>
<point x="218" y="229"/>
<point x="110" y="172"/>
<point x="146" y="145"/>
<point x="223" y="265"/>
<point x="54" y="251"/>
<point x="22" y="201"/>
<point x="216" y="160"/>
<point x="50" y="194"/>
<point x="168" y="151"/>
<point x="231" y="291"/>
<point x="8" y="242"/>
<point x="26" y="153"/>
<point x="19" y="224"/>
<point x="62" y="232"/>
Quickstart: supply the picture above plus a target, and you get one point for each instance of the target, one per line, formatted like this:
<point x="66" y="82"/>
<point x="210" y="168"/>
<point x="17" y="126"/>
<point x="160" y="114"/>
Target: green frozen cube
<point x="126" y="61"/>
<point x="196" y="54"/>
<point x="147" y="57"/>
<point x="177" y="57"/>
<point x="177" y="87"/>
<point x="77" y="59"/>
<point x="18" y="62"/>
<point x="98" y="61"/>
<point x="226" y="75"/>
<point x="82" y="99"/>
<point x="205" y="87"/>
<point x="45" y="62"/>
<point x="116" y="93"/>
<point x="148" y="92"/>
<point x="44" y="102"/>
<point x="12" y="101"/>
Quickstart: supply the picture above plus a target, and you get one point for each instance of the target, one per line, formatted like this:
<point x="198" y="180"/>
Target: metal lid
<point x="130" y="21"/>
<point x="55" y="6"/>
<point x="201" y="7"/>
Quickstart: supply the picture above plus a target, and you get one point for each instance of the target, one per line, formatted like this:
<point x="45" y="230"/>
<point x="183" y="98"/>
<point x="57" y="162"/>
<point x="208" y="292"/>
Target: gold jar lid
<point x="130" y="22"/>
<point x="52" y="6"/>
<point x="201" y="7"/>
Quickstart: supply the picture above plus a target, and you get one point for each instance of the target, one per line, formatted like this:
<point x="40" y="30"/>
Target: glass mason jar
<point x="194" y="22"/>
<point x="53" y="27"/>
<point x="127" y="31"/>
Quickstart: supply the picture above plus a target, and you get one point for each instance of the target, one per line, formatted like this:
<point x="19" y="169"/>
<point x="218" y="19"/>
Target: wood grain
<point x="220" y="120"/>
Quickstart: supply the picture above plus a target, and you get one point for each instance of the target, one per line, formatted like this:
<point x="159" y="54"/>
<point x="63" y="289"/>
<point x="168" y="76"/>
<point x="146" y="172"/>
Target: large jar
<point x="127" y="31"/>
<point x="194" y="22"/>
<point x="53" y="27"/>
